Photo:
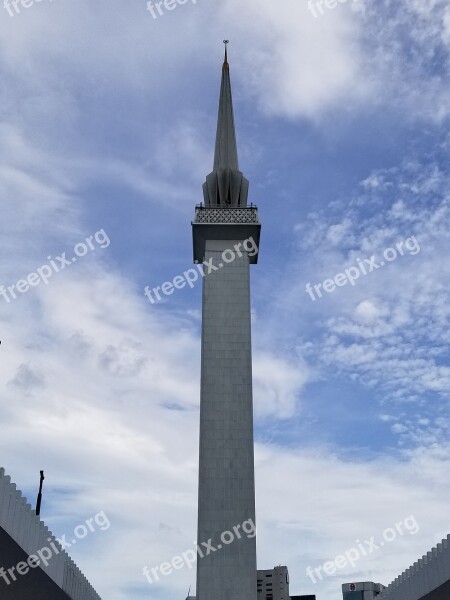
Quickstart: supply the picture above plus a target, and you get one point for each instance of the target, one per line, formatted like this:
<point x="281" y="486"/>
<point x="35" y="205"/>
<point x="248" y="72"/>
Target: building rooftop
<point x="33" y="565"/>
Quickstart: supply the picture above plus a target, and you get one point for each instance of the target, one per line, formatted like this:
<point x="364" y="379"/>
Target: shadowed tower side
<point x="226" y="495"/>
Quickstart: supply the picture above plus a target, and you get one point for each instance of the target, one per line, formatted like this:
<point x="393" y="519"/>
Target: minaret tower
<point x="226" y="236"/>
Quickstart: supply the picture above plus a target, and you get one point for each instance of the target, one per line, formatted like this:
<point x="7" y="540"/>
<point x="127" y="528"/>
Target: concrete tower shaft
<point x="226" y="500"/>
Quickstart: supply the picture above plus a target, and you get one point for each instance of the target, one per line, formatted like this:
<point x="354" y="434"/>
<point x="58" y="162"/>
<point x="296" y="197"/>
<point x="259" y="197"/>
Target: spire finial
<point x="225" y="62"/>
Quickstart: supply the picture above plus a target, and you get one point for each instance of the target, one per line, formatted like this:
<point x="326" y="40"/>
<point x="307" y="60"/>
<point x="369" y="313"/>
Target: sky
<point x="107" y="128"/>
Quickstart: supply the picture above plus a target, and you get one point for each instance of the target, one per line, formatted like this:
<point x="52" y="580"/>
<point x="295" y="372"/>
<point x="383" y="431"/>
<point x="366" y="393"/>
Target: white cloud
<point x="297" y="65"/>
<point x="336" y="502"/>
<point x="277" y="385"/>
<point x="368" y="311"/>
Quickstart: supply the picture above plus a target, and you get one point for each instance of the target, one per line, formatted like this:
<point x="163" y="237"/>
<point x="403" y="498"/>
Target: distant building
<point x="366" y="590"/>
<point x="273" y="584"/>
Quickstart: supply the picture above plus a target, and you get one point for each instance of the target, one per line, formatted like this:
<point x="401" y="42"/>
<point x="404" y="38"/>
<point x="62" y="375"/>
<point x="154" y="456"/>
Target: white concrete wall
<point x="19" y="520"/>
<point x="424" y="576"/>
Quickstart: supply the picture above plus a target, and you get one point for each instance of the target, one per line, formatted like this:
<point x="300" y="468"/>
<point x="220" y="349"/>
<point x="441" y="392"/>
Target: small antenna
<point x="39" y="497"/>
<point x="189" y="593"/>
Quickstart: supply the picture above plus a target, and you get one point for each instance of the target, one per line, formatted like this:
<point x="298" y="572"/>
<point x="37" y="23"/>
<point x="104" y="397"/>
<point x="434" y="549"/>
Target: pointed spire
<point x="226" y="147"/>
<point x="226" y="185"/>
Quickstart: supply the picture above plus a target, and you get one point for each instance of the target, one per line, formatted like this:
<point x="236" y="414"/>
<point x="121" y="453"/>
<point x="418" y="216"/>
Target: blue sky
<point x="108" y="119"/>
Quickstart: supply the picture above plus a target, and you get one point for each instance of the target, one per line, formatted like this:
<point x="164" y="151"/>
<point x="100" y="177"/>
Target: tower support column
<point x="226" y="473"/>
<point x="226" y="494"/>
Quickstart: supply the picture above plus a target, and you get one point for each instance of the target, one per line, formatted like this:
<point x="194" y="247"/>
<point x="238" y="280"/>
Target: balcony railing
<point x="226" y="214"/>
